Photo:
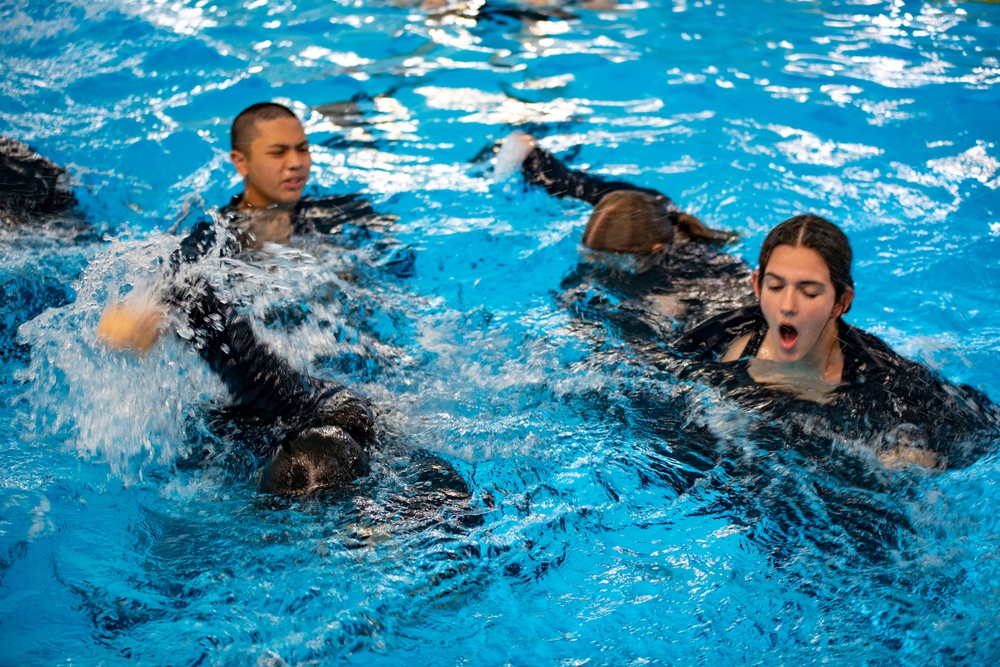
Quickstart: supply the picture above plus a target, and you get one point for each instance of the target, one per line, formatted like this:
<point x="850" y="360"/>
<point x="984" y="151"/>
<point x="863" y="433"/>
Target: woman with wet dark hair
<point x="794" y="340"/>
<point x="626" y="218"/>
<point x="648" y="266"/>
<point x="790" y="352"/>
<point x="803" y="286"/>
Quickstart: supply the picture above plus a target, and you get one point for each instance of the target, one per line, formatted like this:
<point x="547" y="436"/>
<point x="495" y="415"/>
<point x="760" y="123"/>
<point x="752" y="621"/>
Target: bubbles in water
<point x="125" y="410"/>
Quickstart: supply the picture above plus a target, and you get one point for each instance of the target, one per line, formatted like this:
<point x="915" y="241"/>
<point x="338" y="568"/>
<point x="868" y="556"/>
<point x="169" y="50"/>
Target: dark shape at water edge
<point x="30" y="183"/>
<point x="39" y="221"/>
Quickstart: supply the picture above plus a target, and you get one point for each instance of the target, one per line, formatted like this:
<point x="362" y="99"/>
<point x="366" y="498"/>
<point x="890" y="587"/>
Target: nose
<point x="789" y="302"/>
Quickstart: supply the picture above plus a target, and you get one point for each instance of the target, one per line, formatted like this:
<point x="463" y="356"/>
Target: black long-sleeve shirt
<point x="264" y="386"/>
<point x="541" y="167"/>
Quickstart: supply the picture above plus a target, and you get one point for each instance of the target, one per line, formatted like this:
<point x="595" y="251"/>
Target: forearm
<point x="542" y="168"/>
<point x="258" y="379"/>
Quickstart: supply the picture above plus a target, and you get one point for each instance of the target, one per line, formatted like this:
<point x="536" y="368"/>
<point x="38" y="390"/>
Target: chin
<point x="788" y="356"/>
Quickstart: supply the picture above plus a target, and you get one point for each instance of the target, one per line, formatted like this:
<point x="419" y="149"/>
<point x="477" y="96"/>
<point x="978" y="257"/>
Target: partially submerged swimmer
<point x="271" y="152"/>
<point x="325" y="431"/>
<point x="313" y="434"/>
<point x="626" y="218"/>
<point x="794" y="340"/>
<point x="31" y="184"/>
<point x="44" y="241"/>
<point x="641" y="249"/>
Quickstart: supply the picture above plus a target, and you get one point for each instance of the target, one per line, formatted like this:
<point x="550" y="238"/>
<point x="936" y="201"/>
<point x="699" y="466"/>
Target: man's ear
<point x="239" y="161"/>
<point x="843" y="303"/>
<point x="755" y="283"/>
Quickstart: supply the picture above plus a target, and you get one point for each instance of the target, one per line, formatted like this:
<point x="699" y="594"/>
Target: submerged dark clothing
<point x="691" y="282"/>
<point x="315" y="433"/>
<point x="688" y="281"/>
<point x="31" y="184"/>
<point x="880" y="392"/>
<point x="344" y="219"/>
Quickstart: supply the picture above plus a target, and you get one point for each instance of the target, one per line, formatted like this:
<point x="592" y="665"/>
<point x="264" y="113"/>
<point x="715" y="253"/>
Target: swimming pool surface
<point x="119" y="545"/>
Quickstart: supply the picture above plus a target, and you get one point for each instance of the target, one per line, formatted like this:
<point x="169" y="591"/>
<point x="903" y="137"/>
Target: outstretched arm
<point x="260" y="381"/>
<point x="134" y="323"/>
<point x="540" y="167"/>
<point x="263" y="384"/>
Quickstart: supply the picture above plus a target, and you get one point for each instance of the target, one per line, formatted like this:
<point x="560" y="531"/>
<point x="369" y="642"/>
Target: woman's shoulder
<point x="710" y="339"/>
<point x="865" y="355"/>
<point x="958" y="421"/>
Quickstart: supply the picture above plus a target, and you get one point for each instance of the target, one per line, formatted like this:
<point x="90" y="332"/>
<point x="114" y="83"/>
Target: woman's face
<point x="799" y="302"/>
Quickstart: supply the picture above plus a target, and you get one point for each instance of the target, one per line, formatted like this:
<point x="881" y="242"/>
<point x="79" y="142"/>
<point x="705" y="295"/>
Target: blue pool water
<point x="573" y="548"/>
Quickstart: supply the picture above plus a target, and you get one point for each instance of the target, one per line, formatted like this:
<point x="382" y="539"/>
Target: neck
<point x="249" y="202"/>
<point x="826" y="357"/>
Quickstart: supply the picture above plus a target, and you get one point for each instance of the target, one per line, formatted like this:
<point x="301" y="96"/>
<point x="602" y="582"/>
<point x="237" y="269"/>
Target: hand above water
<point x="131" y="325"/>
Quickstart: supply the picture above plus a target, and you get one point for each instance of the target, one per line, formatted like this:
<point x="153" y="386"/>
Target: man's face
<point x="276" y="166"/>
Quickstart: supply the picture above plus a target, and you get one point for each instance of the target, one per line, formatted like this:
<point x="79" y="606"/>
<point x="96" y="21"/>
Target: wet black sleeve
<point x="542" y="168"/>
<point x="710" y="339"/>
<point x="329" y="214"/>
<point x="257" y="378"/>
<point x="263" y="384"/>
<point x="199" y="243"/>
<point x="957" y="421"/>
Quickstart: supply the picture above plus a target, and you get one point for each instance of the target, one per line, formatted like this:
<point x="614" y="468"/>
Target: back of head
<point x="628" y="221"/>
<point x="321" y="457"/>
<point x="244" y="131"/>
<point x="815" y="233"/>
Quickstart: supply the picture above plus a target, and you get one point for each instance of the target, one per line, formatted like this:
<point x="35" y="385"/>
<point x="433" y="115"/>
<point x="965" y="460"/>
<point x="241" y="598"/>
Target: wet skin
<point x="275" y="170"/>
<point x="275" y="167"/>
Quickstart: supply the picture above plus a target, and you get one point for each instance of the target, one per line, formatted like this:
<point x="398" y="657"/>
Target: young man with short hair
<point x="327" y="430"/>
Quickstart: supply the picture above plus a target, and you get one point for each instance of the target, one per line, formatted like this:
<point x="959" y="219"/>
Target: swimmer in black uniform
<point x="270" y="151"/>
<point x="614" y="226"/>
<point x="319" y="433"/>
<point x="795" y="341"/>
<point x="661" y="264"/>
<point x="314" y="434"/>
<point x="30" y="185"/>
<point x="38" y="221"/>
<point x="800" y="356"/>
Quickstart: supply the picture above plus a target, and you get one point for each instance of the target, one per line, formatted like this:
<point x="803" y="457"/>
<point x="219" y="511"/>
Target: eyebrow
<point x="278" y="145"/>
<point x="819" y="283"/>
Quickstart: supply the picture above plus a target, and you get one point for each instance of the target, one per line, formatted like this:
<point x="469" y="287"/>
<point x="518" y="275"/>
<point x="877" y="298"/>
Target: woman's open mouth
<point x="787" y="334"/>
